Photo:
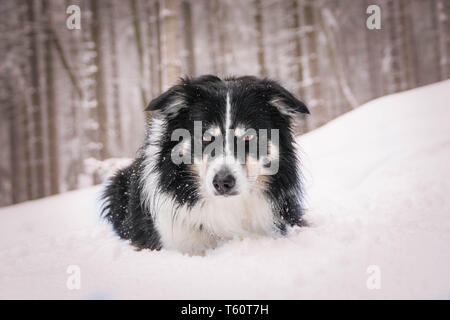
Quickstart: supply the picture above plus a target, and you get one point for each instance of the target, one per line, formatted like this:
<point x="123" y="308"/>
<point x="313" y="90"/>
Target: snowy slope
<point x="378" y="181"/>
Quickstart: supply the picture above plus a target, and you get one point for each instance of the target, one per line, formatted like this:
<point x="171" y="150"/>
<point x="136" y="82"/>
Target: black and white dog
<point x="198" y="181"/>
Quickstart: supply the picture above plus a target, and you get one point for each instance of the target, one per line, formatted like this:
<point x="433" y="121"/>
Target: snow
<point x="377" y="183"/>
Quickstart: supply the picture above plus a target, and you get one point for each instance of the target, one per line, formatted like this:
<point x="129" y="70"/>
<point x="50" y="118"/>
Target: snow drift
<point x="377" y="183"/>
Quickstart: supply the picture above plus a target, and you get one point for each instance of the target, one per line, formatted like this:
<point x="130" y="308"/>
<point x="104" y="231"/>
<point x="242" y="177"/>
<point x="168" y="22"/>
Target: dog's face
<point x="223" y="138"/>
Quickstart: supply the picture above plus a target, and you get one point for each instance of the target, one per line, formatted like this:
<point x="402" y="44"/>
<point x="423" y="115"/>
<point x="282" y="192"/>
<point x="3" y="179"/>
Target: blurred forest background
<point x="72" y="99"/>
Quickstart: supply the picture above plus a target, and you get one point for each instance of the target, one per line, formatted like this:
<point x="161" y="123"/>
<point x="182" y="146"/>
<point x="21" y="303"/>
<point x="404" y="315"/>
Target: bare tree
<point x="50" y="97"/>
<point x="15" y="142"/>
<point x="188" y="38"/>
<point x="37" y="164"/>
<point x="324" y="18"/>
<point x="159" y="59"/>
<point x="260" y="34"/>
<point x="403" y="74"/>
<point x="171" y="56"/>
<point x="96" y="29"/>
<point x="115" y="76"/>
<point x="442" y="21"/>
<point x="153" y="50"/>
<point x="373" y="46"/>
<point x="210" y="7"/>
<point x="221" y="16"/>
<point x="313" y="80"/>
<point x="140" y="48"/>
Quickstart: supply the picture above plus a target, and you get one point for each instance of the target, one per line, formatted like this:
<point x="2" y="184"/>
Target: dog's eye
<point x="248" y="137"/>
<point x="207" y="137"/>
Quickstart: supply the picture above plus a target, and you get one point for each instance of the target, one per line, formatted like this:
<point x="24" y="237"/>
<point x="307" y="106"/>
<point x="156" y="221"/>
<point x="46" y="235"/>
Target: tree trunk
<point x="321" y="115"/>
<point x="211" y="23"/>
<point x="188" y="39"/>
<point x="401" y="53"/>
<point x="171" y="60"/>
<point x="159" y="51"/>
<point x="298" y="53"/>
<point x="298" y="47"/>
<point x="372" y="42"/>
<point x="260" y="36"/>
<point x="152" y="50"/>
<point x="100" y="81"/>
<point x="222" y="37"/>
<point x="72" y="147"/>
<point x="37" y="165"/>
<point x="336" y="62"/>
<point x="14" y="146"/>
<point x="115" y="78"/>
<point x="140" y="49"/>
<point x="407" y="46"/>
<point x="51" y="103"/>
<point x="22" y="122"/>
<point x="441" y="20"/>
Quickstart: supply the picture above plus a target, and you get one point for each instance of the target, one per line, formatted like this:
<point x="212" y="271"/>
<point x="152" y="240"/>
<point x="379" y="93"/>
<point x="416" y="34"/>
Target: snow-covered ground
<point x="378" y="184"/>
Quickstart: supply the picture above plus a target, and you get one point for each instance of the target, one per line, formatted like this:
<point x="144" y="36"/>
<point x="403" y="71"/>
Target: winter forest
<point x="75" y="75"/>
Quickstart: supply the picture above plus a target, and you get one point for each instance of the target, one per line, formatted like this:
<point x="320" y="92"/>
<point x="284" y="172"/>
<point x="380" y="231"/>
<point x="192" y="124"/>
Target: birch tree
<point x="50" y="97"/>
<point x="37" y="162"/>
<point x="188" y="38"/>
<point x="171" y="69"/>
<point x="96" y="29"/>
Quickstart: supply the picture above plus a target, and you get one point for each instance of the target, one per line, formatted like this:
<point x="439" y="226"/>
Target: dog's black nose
<point x="224" y="182"/>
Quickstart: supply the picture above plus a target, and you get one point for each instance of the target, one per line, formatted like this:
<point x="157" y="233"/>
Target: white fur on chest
<point x="212" y="221"/>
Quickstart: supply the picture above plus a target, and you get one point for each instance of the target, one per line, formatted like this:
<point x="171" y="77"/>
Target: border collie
<point x="218" y="162"/>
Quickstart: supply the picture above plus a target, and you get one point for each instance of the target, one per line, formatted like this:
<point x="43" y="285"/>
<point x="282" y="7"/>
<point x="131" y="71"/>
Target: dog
<point x="190" y="188"/>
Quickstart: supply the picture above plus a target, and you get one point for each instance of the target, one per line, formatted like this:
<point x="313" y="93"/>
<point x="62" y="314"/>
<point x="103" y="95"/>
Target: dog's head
<point x="223" y="138"/>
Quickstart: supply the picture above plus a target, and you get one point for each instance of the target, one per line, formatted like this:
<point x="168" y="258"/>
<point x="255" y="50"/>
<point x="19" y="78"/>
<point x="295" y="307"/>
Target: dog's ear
<point x="285" y="101"/>
<point x="170" y="102"/>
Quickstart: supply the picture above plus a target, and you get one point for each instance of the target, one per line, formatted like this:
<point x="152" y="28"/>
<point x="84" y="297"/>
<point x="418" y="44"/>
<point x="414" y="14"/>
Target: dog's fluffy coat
<point x="156" y="203"/>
